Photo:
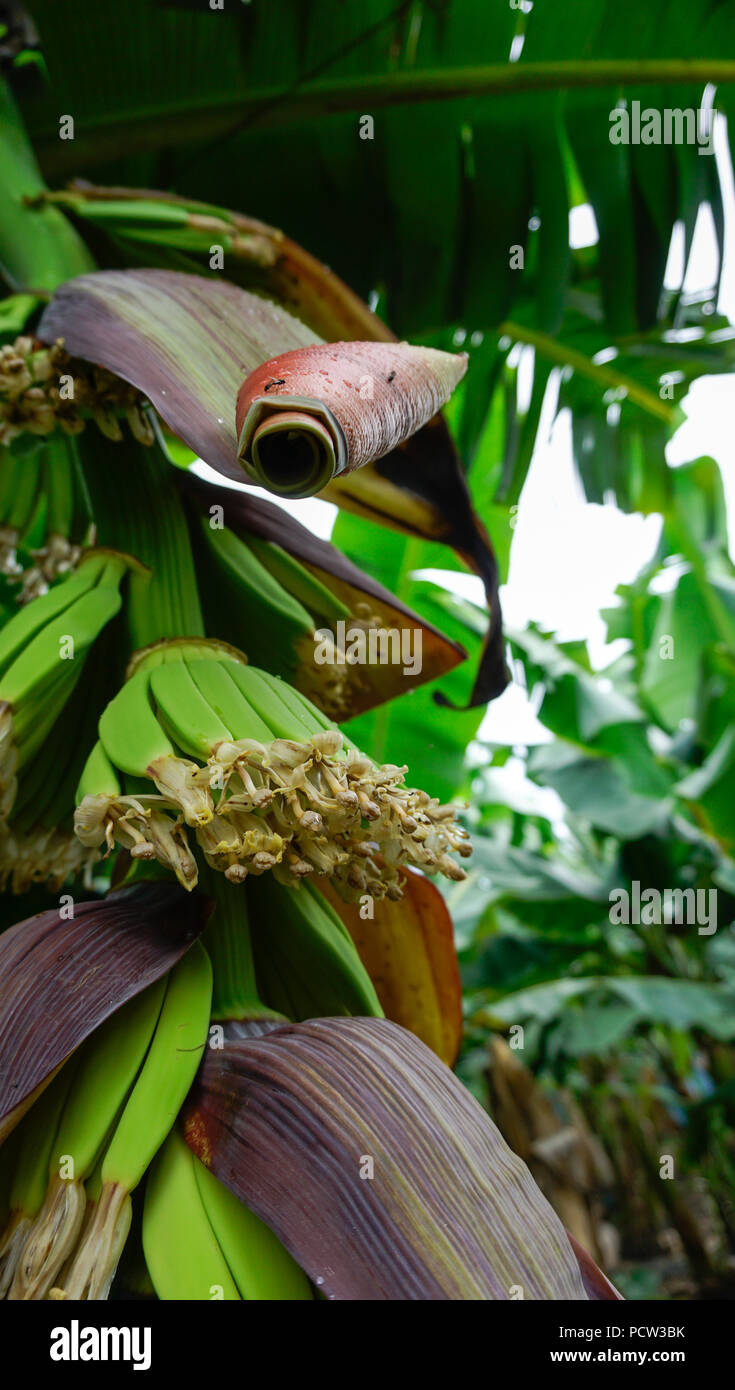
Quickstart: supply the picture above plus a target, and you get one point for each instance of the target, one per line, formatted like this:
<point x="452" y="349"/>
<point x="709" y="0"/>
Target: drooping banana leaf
<point x="375" y="1167"/>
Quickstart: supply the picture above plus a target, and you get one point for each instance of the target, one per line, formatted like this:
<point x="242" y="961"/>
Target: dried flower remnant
<point x="48" y="856"/>
<point x="296" y="807"/>
<point x="295" y="798"/>
<point x="50" y="562"/>
<point x="43" y="388"/>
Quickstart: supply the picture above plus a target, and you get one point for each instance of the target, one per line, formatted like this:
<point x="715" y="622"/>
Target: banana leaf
<point x="375" y="1167"/>
<point x="480" y="115"/>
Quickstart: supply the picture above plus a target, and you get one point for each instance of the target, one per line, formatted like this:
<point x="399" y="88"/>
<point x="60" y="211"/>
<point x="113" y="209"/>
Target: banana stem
<point x="137" y="509"/>
<point x="226" y="939"/>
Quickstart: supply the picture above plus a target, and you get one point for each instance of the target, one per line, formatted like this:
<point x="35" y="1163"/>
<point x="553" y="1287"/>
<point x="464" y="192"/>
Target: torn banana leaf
<point x="147" y="326"/>
<point x="62" y="977"/>
<point x="375" y="1167"/>
<point x="407" y="948"/>
<point x="368" y="683"/>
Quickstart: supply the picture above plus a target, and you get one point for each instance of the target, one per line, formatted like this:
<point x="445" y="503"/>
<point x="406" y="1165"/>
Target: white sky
<point x="568" y="555"/>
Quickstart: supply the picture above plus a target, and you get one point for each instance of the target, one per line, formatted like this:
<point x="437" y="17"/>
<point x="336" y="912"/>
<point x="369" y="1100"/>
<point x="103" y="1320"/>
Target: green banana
<point x="38" y="845"/>
<point x="270" y="605"/>
<point x="32" y="718"/>
<point x="37" y="684"/>
<point x="10" y="467"/>
<point x="289" y="713"/>
<point x="28" y="621"/>
<point x="43" y="514"/>
<point x="219" y="685"/>
<point x="21" y="510"/>
<point x="98" y="776"/>
<point x="262" y="1267"/>
<point x="60" y="486"/>
<point x="175" y="1053"/>
<point x="181" y="1250"/>
<point x="130" y="734"/>
<point x="275" y="785"/>
<point x="167" y="1073"/>
<point x="82" y="622"/>
<point x="106" y="1071"/>
<point x="307" y="964"/>
<point x="135" y="741"/>
<point x="320" y="601"/>
<point x="265" y="699"/>
<point x="104" y="814"/>
<point x="301" y="706"/>
<point x="34" y="531"/>
<point x="192" y="722"/>
<point x="260" y="598"/>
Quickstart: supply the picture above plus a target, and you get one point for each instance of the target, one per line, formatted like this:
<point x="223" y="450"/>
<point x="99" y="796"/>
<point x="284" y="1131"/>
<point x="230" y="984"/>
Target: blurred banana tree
<point x="597" y="931"/>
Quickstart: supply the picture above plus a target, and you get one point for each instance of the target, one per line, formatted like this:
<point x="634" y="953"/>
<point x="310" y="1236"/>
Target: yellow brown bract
<point x="336" y="685"/>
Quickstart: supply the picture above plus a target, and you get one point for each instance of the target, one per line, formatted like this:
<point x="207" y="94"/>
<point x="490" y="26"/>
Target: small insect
<point x="277" y="381"/>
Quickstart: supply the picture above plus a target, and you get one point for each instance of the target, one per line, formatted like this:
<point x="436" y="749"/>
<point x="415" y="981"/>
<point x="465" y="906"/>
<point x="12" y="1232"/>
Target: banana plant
<point x="280" y="1078"/>
<point x="356" y="1103"/>
<point x="207" y="768"/>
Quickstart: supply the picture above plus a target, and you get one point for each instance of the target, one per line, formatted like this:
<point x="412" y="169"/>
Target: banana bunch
<point x="306" y="961"/>
<point x="43" y="731"/>
<point x="37" y="842"/>
<point x="99" y="1135"/>
<point x="201" y="1242"/>
<point x="43" y="507"/>
<point x="261" y="598"/>
<point x="258" y="774"/>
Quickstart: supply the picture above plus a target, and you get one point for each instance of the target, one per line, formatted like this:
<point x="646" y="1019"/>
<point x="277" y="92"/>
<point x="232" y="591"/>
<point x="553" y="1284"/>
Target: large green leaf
<point x="678" y="1003"/>
<point x="38" y="249"/>
<point x="238" y="93"/>
<point x="475" y="153"/>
